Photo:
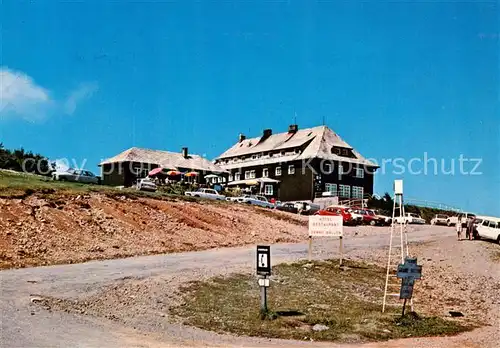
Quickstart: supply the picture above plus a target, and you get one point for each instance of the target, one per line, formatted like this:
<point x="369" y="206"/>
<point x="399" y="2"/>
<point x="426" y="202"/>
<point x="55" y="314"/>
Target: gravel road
<point x="26" y="324"/>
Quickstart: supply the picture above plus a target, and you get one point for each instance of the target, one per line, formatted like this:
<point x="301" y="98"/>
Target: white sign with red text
<point x="326" y="226"/>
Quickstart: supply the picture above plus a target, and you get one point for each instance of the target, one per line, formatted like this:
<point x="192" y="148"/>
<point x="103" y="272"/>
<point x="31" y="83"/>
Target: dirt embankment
<point x="41" y="230"/>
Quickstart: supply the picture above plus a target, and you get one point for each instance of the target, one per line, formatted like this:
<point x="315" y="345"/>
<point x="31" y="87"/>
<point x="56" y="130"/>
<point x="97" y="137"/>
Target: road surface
<point x="24" y="324"/>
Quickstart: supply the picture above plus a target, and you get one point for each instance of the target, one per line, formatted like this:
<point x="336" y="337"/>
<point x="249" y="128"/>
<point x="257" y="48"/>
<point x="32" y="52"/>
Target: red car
<point x="369" y="217"/>
<point x="337" y="211"/>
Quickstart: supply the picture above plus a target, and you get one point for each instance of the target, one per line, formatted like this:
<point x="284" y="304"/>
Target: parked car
<point x="356" y="217"/>
<point x="440" y="219"/>
<point x="369" y="217"/>
<point x="288" y="207"/>
<point x="410" y="218"/>
<point x="146" y="184"/>
<point x="256" y="200"/>
<point x="489" y="229"/>
<point x="306" y="208"/>
<point x="206" y="193"/>
<point x="452" y="220"/>
<point x="337" y="211"/>
<point x="385" y="216"/>
<point x="83" y="176"/>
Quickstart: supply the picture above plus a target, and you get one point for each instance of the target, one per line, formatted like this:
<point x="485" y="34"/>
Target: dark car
<point x="288" y="207"/>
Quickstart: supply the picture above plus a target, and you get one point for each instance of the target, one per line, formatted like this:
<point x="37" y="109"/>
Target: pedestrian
<point x="470" y="227"/>
<point x="459" y="228"/>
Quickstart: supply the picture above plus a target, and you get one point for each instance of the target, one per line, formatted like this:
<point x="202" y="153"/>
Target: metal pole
<point x="310" y="247"/>
<point x="404" y="307"/>
<point x="341" y="250"/>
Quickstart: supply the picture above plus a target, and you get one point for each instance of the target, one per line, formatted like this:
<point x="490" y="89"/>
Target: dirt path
<point x="142" y="288"/>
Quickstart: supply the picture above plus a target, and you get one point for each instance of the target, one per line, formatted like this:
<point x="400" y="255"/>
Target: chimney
<point x="267" y="133"/>
<point x="241" y="137"/>
<point x="184" y="152"/>
<point x="293" y="128"/>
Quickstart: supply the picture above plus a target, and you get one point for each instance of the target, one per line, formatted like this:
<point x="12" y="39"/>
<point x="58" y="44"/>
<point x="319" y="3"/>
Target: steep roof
<point x="164" y="159"/>
<point x="319" y="141"/>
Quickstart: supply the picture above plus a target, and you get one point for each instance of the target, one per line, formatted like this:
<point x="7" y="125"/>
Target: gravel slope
<point x="55" y="229"/>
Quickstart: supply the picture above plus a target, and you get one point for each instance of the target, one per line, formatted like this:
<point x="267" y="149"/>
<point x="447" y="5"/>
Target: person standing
<point x="470" y="227"/>
<point x="459" y="228"/>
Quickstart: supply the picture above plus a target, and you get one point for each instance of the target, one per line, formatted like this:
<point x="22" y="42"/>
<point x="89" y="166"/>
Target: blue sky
<point x="394" y="79"/>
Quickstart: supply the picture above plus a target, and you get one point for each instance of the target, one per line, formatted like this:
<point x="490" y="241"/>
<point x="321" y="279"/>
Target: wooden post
<point x="310" y="247"/>
<point x="404" y="308"/>
<point x="341" y="250"/>
<point x="263" y="301"/>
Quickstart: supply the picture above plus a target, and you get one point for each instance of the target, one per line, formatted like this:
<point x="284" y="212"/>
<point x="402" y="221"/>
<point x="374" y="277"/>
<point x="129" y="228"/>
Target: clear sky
<point x="394" y="79"/>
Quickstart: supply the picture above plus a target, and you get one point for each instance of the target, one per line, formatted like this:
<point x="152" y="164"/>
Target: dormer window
<point x="341" y="151"/>
<point x="254" y="156"/>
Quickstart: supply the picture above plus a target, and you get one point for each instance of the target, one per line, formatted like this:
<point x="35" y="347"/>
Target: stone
<point x="320" y="327"/>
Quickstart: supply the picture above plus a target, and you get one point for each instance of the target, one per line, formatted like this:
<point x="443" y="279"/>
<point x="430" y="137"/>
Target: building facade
<point x="299" y="165"/>
<point x="125" y="168"/>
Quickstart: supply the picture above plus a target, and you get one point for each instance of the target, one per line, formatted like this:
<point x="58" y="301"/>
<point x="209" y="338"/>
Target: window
<point x="357" y="192"/>
<point x="247" y="174"/>
<point x="237" y="176"/>
<point x="345" y="191"/>
<point x="230" y="177"/>
<point x="345" y="152"/>
<point x="278" y="171"/>
<point x="265" y="173"/>
<point x="291" y="169"/>
<point x="254" y="156"/>
<point x="268" y="190"/>
<point x="331" y="188"/>
<point x="360" y="172"/>
<point x="252" y="174"/>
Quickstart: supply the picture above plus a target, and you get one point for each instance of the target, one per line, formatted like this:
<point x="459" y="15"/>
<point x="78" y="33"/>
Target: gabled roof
<point x="164" y="159"/>
<point x="318" y="141"/>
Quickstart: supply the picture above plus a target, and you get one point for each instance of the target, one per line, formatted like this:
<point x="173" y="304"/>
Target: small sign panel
<point x="326" y="226"/>
<point x="263" y="260"/>
<point x="398" y="187"/>
<point x="408" y="272"/>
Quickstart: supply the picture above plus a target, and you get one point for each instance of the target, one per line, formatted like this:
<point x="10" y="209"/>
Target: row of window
<point x="261" y="155"/>
<point x="250" y="174"/>
<point x="345" y="190"/>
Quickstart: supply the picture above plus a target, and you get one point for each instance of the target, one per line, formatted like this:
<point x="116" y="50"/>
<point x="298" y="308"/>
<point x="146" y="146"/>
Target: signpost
<point x="326" y="226"/>
<point x="263" y="270"/>
<point x="408" y="271"/>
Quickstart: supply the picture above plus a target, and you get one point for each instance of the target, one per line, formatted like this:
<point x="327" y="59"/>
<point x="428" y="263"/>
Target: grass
<point x="21" y="185"/>
<point x="303" y="294"/>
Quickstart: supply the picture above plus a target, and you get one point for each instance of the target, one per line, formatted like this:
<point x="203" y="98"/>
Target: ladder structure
<point x="398" y="250"/>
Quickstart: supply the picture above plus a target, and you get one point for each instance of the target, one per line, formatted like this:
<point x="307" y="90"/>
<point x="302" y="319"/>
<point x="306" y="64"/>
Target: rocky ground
<point x="70" y="228"/>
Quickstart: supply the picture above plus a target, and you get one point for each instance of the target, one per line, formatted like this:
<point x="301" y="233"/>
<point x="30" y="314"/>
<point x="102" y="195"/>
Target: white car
<point x="410" y="218"/>
<point x="440" y="219"/>
<point x="206" y="193"/>
<point x="146" y="184"/>
<point x="76" y="175"/>
<point x="256" y="200"/>
<point x="489" y="229"/>
<point x="452" y="220"/>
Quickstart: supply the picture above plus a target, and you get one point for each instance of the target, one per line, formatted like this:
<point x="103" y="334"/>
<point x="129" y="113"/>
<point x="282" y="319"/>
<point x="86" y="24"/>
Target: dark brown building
<point x="299" y="165"/>
<point x="125" y="168"/>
